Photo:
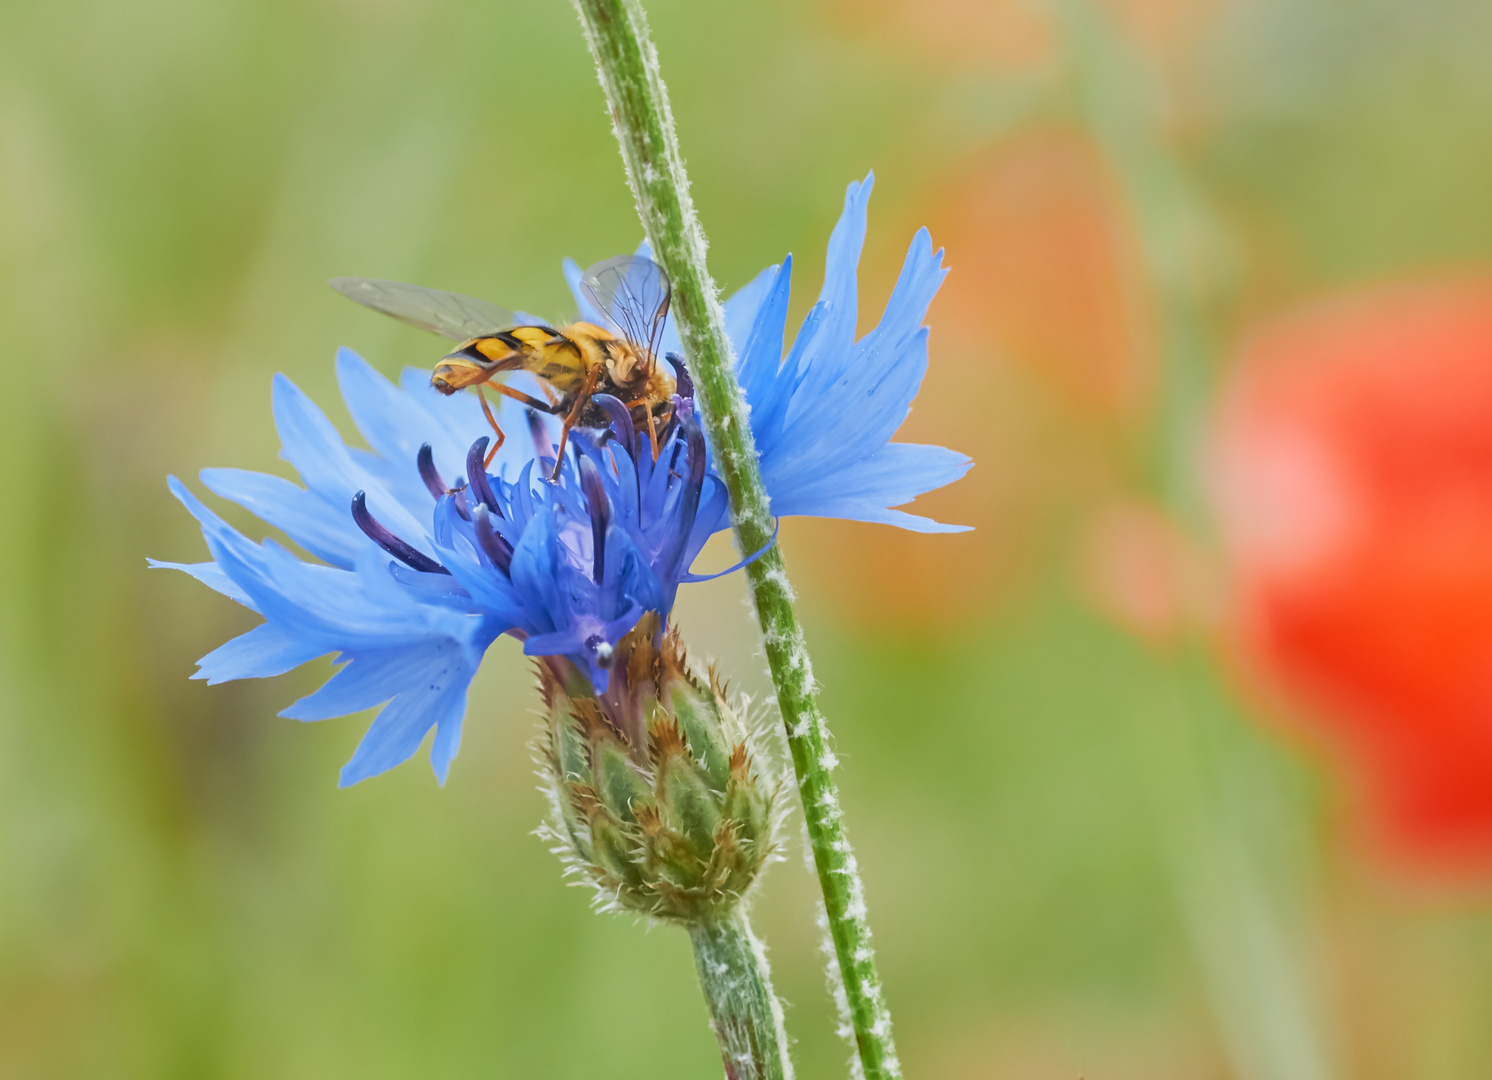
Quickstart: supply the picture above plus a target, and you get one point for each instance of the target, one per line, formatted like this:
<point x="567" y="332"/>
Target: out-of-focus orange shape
<point x="1140" y="570"/>
<point x="999" y="36"/>
<point x="1354" y="477"/>
<point x="956" y="34"/>
<point x="1043" y="268"/>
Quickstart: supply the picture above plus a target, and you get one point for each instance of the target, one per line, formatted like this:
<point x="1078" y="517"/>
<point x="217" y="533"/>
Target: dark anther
<point x="696" y="439"/>
<point x="681" y="371"/>
<point x="410" y="557"/>
<point x="458" y="500"/>
<point x="428" y="473"/>
<point x="689" y="501"/>
<point x="600" y="508"/>
<point x="476" y="474"/>
<point x="543" y="445"/>
<point x="493" y="545"/>
<point x="621" y="422"/>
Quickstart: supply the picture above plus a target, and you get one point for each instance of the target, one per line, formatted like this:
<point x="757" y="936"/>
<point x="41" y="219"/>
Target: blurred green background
<point x="1057" y="888"/>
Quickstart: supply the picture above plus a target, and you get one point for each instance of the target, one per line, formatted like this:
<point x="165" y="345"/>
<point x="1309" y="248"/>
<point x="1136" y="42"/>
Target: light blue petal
<point x="896" y="474"/>
<point x="312" y="445"/>
<point x="870" y="514"/>
<point x="371" y="678"/>
<point x="436" y="699"/>
<point x="211" y="575"/>
<point x="562" y="642"/>
<point x="322" y="530"/>
<point x="768" y="383"/>
<point x="841" y="287"/>
<point x="329" y="609"/>
<point x="828" y="338"/>
<point x="381" y="411"/>
<point x="854" y="420"/>
<point x="744" y="304"/>
<point x="264" y="651"/>
<point x="453" y="422"/>
<point x="534" y="573"/>
<point x="823" y="419"/>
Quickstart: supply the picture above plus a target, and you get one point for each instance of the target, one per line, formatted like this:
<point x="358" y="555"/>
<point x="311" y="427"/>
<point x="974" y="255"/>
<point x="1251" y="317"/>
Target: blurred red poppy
<point x="1354" y="477"/>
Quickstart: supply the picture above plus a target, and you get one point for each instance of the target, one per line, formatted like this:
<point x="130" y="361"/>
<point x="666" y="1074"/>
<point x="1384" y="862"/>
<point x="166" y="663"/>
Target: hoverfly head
<point x="626" y="364"/>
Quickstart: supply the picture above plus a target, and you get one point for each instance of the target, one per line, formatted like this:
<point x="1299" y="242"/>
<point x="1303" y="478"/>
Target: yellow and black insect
<point x="573" y="363"/>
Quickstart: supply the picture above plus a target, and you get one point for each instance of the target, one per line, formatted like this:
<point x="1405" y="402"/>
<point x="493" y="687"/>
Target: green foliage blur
<point x="183" y="890"/>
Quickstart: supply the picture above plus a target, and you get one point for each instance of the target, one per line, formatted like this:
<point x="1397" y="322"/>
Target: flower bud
<point x="656" y="797"/>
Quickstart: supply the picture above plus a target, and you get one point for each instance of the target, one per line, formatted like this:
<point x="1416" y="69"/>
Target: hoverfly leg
<point x="552" y="408"/>
<point x="487" y="411"/>
<point x="652" y="424"/>
<point x="580" y="402"/>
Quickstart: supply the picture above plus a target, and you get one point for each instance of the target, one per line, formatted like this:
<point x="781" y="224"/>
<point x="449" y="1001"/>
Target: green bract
<point x="657" y="799"/>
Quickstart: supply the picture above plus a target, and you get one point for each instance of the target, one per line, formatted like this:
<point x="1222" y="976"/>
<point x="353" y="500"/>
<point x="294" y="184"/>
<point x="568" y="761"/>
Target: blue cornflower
<point x="568" y="567"/>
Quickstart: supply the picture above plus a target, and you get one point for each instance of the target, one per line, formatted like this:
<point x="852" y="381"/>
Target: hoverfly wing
<point x="449" y="314"/>
<point x="633" y="292"/>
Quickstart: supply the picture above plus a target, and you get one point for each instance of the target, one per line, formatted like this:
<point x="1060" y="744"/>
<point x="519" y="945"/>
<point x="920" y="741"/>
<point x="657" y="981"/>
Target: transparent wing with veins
<point x="633" y="293"/>
<point x="448" y="314"/>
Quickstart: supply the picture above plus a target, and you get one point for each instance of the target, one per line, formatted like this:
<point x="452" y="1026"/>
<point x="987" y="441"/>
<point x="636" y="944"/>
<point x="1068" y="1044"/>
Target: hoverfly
<point x="573" y="363"/>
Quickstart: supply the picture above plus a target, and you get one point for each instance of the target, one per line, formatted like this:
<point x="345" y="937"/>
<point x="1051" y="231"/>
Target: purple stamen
<point x="543" y="445"/>
<point x="681" y="372"/>
<point x="458" y="500"/>
<point x="621" y="422"/>
<point x="409" y="556"/>
<point x="492" y="545"/>
<point x="476" y="474"/>
<point x="689" y="498"/>
<point x="430" y="474"/>
<point x="600" y="509"/>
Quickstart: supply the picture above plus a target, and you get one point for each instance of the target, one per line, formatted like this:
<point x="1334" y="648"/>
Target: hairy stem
<point x="617" y="33"/>
<point x="743" y="1009"/>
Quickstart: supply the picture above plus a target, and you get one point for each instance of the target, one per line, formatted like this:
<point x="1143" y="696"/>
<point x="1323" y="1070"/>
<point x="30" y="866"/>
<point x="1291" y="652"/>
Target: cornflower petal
<point x="743" y="306"/>
<point x="823" y="417"/>
<point x="211" y="575"/>
<point x="434" y="697"/>
<point x="767" y="382"/>
<point x="325" y="531"/>
<point x="263" y="652"/>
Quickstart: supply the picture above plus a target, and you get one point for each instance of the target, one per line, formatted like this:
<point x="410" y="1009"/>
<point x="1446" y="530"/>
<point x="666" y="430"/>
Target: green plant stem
<point x="617" y="33"/>
<point x="743" y="1009"/>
